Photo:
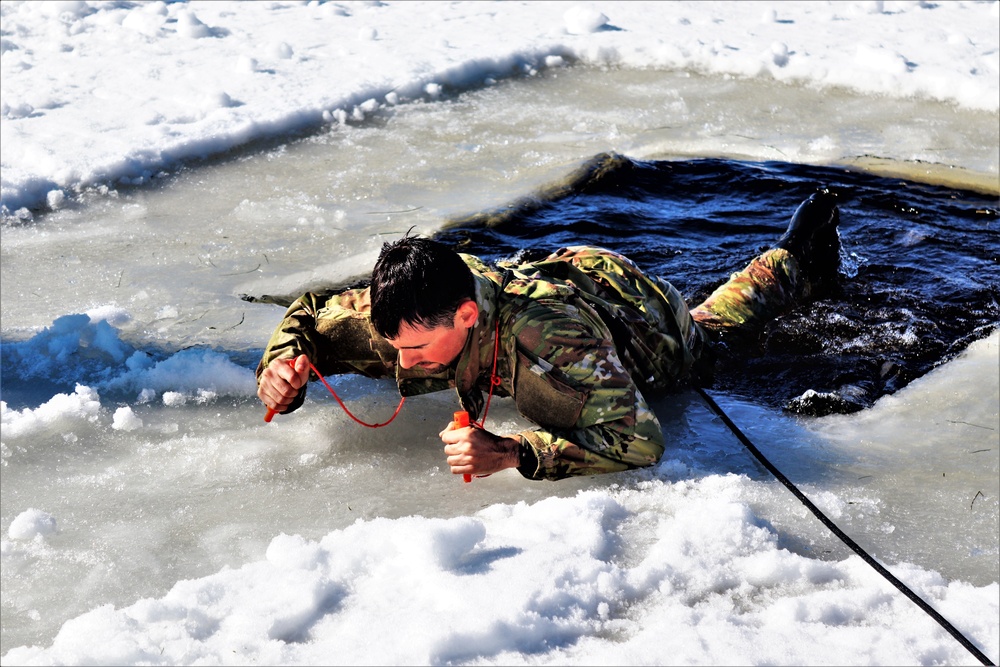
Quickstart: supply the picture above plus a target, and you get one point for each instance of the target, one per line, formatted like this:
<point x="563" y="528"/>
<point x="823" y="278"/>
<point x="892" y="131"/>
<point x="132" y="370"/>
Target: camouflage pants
<point x="769" y="286"/>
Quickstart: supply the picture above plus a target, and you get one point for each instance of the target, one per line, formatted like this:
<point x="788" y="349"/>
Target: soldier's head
<point x="423" y="302"/>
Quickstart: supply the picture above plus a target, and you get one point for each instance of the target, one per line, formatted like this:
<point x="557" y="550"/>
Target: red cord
<point x="495" y="380"/>
<point x="291" y="362"/>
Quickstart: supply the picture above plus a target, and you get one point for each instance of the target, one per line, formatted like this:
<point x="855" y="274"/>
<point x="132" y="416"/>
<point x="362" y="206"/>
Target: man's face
<point x="433" y="350"/>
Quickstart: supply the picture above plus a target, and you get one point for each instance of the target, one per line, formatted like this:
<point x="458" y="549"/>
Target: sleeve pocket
<point x="544" y="398"/>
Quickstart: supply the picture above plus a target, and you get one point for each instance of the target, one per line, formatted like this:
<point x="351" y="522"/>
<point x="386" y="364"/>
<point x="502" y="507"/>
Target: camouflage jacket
<point x="582" y="334"/>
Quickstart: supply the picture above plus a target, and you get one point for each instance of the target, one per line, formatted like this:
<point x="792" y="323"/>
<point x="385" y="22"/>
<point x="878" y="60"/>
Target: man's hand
<point x="473" y="451"/>
<point x="281" y="382"/>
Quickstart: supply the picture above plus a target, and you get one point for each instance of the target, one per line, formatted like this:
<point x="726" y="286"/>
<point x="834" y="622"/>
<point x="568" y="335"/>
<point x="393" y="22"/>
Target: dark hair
<point x="418" y="281"/>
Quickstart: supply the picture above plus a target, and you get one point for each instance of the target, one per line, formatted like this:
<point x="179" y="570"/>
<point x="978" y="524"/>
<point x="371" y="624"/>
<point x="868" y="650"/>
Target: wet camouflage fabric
<point x="770" y="285"/>
<point x="583" y="334"/>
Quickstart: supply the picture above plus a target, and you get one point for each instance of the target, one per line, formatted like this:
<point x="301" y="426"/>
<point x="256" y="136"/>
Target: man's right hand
<point x="281" y="382"/>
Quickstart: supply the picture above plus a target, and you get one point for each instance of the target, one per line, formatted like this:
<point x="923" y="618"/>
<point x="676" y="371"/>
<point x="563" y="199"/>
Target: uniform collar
<point x="477" y="357"/>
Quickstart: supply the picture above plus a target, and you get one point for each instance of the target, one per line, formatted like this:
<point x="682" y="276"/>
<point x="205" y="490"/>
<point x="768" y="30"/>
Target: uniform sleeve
<point x="569" y="380"/>
<point x="334" y="331"/>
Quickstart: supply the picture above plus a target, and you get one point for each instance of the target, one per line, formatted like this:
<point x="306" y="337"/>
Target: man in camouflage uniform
<point x="578" y="339"/>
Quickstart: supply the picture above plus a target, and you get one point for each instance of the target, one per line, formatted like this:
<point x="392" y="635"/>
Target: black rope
<point x="942" y="621"/>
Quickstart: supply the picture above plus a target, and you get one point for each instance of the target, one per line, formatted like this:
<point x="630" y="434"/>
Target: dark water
<point x="920" y="275"/>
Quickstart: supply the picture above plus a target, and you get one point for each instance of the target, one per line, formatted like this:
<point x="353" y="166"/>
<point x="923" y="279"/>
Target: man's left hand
<point x="474" y="451"/>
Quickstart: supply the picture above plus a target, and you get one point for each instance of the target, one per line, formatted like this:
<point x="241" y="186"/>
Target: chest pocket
<point x="543" y="397"/>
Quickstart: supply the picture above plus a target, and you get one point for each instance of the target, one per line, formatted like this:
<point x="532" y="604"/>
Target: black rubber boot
<point x="813" y="239"/>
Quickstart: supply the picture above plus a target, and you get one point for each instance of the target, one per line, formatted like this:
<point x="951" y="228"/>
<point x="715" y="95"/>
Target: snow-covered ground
<point x="96" y="92"/>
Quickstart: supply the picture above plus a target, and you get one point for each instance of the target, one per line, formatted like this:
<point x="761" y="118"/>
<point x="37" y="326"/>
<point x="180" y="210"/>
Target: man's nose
<point x="408" y="358"/>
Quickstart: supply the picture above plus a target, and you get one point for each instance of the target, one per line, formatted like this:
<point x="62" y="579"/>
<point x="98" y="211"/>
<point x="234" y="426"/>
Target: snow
<point x="30" y="524"/>
<point x="61" y="409"/>
<point x="103" y="92"/>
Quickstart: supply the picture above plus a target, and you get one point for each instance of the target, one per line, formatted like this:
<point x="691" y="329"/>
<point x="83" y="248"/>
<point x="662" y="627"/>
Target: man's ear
<point x="467" y="314"/>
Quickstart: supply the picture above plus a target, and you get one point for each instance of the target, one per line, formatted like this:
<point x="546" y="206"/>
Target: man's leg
<point x="804" y="260"/>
